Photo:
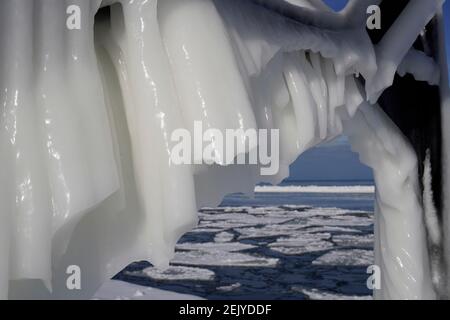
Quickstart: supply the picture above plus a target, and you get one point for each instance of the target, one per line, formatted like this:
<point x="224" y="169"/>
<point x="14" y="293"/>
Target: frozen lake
<point x="310" y="244"/>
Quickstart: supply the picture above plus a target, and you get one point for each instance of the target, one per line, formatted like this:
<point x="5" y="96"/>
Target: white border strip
<point x="315" y="189"/>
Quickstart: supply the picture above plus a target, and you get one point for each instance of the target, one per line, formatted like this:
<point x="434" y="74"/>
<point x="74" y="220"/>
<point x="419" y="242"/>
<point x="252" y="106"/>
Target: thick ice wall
<point x="56" y="139"/>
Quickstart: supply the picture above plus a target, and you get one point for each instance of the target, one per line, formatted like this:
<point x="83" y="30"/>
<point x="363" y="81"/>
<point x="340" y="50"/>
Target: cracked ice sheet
<point x="229" y="288"/>
<point x="223" y="237"/>
<point x="214" y="246"/>
<point x="271" y="215"/>
<point x="219" y="254"/>
<point x="332" y="229"/>
<point x="341" y="221"/>
<point x="222" y="258"/>
<point x="267" y="231"/>
<point x="259" y="222"/>
<point x="354" y="240"/>
<point x="119" y="290"/>
<point x="175" y="273"/>
<point x="314" y="220"/>
<point x="222" y="251"/>
<point x="235" y="220"/>
<point x="303" y="243"/>
<point x="315" y="294"/>
<point x="255" y="210"/>
<point x="346" y="258"/>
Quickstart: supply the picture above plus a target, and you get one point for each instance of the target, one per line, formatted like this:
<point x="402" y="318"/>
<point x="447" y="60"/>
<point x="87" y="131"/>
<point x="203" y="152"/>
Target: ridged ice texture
<point x="86" y="134"/>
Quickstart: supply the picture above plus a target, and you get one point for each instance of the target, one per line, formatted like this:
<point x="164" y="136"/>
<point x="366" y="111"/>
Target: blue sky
<point x="331" y="162"/>
<point x="336" y="4"/>
<point x="335" y="161"/>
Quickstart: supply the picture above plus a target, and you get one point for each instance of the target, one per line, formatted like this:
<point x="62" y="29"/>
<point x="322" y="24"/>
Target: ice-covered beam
<point x="414" y="104"/>
<point x="421" y="67"/>
<point x="318" y="14"/>
<point x="397" y="42"/>
<point x="307" y="15"/>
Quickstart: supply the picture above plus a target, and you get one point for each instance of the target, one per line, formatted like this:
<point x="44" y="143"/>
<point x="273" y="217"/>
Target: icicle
<point x="316" y="84"/>
<point x="302" y="101"/>
<point x="207" y="81"/>
<point x="152" y="112"/>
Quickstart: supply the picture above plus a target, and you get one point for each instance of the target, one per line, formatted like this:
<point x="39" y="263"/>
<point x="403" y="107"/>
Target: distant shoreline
<point x="316" y="189"/>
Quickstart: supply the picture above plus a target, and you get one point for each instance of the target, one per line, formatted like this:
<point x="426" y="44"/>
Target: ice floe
<point x="175" y="273"/>
<point x="315" y="294"/>
<point x="222" y="259"/>
<point x="223" y="237"/>
<point x="238" y="261"/>
<point x="301" y="243"/>
<point x="119" y="290"/>
<point x="346" y="258"/>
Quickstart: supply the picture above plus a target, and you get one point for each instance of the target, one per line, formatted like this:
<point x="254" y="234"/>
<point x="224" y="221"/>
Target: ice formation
<point x="87" y="117"/>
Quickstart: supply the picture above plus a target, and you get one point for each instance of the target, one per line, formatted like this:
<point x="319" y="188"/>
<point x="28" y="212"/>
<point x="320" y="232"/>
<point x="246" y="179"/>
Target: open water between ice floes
<point x="275" y="245"/>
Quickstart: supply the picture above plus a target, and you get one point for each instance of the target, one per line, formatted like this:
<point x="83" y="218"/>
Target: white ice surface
<point x="315" y="294"/>
<point x="354" y="240"/>
<point x="301" y="243"/>
<point x="175" y="273"/>
<point x="224" y="237"/>
<point x="422" y="67"/>
<point x="346" y="258"/>
<point x="223" y="258"/>
<point x="119" y="290"/>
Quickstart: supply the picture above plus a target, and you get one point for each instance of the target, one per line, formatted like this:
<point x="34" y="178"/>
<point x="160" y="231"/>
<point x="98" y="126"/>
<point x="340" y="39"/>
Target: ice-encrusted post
<point x="400" y="237"/>
<point x="445" y="109"/>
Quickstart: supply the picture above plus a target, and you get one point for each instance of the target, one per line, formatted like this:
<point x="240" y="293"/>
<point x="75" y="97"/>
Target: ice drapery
<point x="85" y="128"/>
<point x="57" y="150"/>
